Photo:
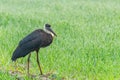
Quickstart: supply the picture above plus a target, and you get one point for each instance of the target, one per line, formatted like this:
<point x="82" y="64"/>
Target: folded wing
<point x="27" y="45"/>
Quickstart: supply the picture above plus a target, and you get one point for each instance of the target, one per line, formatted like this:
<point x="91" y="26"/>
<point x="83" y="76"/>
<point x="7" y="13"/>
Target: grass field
<point x="87" y="46"/>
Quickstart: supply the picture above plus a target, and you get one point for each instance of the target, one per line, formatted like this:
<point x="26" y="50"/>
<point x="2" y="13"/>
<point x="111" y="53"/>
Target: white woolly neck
<point x="47" y="31"/>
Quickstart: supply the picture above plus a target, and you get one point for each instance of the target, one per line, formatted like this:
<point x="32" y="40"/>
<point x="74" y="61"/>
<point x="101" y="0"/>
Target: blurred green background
<point x="87" y="45"/>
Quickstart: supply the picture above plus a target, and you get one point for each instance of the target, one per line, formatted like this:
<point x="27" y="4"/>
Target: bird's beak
<point x="53" y="32"/>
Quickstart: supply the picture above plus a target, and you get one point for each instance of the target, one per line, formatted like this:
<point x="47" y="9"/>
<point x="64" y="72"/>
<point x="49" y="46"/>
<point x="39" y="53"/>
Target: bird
<point x="39" y="38"/>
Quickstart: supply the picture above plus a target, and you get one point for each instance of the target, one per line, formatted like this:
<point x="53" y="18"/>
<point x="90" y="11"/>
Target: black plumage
<point x="33" y="42"/>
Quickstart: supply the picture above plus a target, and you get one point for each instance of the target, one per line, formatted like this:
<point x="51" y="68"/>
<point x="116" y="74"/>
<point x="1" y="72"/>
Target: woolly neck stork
<point x="33" y="42"/>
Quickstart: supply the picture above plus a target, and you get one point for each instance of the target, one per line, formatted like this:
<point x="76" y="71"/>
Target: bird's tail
<point x="20" y="52"/>
<point x="14" y="54"/>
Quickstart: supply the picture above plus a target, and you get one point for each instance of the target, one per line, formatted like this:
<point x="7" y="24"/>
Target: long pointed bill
<point x="53" y="32"/>
<point x="50" y="31"/>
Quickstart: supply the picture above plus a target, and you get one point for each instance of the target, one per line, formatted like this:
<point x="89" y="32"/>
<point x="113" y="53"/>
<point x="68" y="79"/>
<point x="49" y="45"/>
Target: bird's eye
<point x="47" y="25"/>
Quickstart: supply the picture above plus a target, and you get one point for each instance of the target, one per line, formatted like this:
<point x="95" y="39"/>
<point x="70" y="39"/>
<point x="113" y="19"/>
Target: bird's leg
<point x="39" y="62"/>
<point x="28" y="63"/>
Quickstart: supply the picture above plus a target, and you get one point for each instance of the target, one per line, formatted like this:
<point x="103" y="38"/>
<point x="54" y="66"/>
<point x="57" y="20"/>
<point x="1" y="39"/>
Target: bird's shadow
<point x="20" y="76"/>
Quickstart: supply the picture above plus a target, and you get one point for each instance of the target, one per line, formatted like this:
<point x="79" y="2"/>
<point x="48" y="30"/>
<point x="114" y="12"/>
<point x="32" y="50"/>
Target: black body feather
<point x="32" y="42"/>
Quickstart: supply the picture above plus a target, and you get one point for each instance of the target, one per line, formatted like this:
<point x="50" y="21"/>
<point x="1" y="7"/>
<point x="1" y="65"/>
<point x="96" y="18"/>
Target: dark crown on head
<point x="47" y="25"/>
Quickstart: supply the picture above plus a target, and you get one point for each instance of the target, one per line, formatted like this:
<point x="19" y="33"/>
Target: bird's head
<point x="48" y="29"/>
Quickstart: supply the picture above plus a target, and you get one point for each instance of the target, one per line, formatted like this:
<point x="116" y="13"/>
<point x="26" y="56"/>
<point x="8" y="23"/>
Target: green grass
<point x="6" y="76"/>
<point x="87" y="45"/>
